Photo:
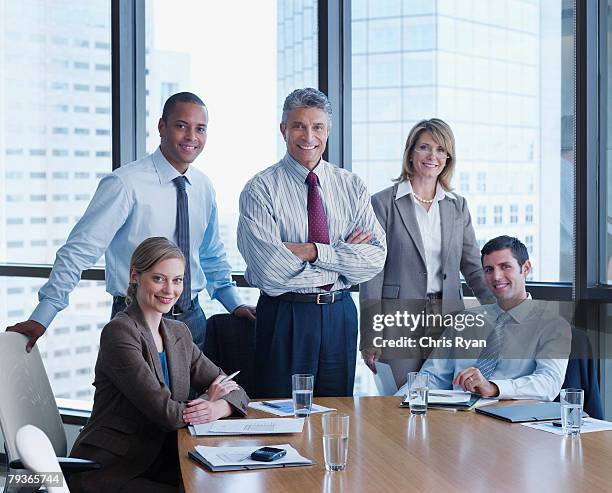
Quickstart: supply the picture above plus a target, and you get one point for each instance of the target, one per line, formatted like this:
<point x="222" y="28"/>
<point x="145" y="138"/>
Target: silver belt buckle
<point x="319" y="302"/>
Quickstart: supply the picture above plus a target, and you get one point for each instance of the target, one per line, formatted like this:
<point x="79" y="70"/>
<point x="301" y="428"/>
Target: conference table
<point x="390" y="450"/>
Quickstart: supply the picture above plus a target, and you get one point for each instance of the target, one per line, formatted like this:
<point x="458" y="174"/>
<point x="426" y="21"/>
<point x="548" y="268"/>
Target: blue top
<point x="164" y="365"/>
<point x="133" y="203"/>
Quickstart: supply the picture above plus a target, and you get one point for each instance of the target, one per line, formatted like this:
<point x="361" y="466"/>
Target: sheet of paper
<point x="250" y="426"/>
<point x="285" y="407"/>
<point x="240" y="456"/>
<point x="447" y="397"/>
<point x="589" y="425"/>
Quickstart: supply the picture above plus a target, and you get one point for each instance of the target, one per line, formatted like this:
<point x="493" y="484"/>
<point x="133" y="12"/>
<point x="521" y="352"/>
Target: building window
<point x="529" y="213"/>
<point x="481" y="182"/>
<point x="514" y="214"/>
<point x="498" y="212"/>
<point x="481" y="216"/>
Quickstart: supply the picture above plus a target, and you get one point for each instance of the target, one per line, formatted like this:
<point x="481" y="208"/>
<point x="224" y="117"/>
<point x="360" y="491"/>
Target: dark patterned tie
<point x="318" y="231"/>
<point x="182" y="239"/>
<point x="489" y="358"/>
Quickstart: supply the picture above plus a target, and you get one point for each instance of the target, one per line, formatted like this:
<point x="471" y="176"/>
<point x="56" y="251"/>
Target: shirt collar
<point x="405" y="188"/>
<point x="519" y="313"/>
<point x="299" y="172"/>
<point x="165" y="171"/>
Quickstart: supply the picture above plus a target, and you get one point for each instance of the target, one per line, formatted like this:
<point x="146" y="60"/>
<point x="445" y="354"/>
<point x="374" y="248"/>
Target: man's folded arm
<point x="271" y="266"/>
<point x="357" y="262"/>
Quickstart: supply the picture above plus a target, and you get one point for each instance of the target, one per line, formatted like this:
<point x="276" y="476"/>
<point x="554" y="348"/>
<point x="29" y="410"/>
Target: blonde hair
<point x="443" y="135"/>
<point x="147" y="254"/>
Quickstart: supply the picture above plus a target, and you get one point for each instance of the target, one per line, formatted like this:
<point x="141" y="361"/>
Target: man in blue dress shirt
<point x="140" y="200"/>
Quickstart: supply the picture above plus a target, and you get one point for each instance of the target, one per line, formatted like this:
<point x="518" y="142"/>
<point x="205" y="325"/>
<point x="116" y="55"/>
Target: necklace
<point x="421" y="199"/>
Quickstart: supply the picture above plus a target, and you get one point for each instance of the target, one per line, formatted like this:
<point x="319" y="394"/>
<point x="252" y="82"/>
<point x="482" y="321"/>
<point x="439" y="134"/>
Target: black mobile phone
<point x="268" y="454"/>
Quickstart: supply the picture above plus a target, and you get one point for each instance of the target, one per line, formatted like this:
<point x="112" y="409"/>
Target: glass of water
<point x="418" y="389"/>
<point x="572" y="401"/>
<point x="335" y="440"/>
<point x="302" y="386"/>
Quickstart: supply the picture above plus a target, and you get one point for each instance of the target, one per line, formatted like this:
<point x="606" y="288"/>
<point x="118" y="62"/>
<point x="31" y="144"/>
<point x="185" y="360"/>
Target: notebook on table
<point x="539" y="411"/>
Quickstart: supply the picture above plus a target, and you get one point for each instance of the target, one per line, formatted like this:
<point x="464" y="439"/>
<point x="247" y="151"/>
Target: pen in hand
<point x="230" y="377"/>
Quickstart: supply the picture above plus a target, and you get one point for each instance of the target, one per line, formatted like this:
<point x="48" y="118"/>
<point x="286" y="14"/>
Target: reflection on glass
<point x="503" y="79"/>
<point x="55" y="138"/>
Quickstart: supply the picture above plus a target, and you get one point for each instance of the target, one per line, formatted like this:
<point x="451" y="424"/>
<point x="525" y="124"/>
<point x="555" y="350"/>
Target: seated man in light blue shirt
<point x="527" y="343"/>
<point x="157" y="195"/>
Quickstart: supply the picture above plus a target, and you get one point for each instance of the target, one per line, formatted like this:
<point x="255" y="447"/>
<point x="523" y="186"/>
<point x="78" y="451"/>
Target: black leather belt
<point x="434" y="297"/>
<point x="318" y="298"/>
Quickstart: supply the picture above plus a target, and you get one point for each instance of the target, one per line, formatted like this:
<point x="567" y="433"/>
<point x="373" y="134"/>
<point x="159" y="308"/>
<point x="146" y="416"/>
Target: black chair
<point x="230" y="343"/>
<point x="582" y="374"/>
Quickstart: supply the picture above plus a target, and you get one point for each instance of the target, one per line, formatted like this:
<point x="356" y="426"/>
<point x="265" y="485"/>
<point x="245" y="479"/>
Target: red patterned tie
<point x="318" y="230"/>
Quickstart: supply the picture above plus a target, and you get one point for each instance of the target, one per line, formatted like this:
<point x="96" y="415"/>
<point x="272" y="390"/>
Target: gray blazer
<point x="404" y="276"/>
<point x="133" y="409"/>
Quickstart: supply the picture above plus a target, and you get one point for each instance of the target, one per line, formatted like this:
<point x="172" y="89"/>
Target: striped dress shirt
<point x="273" y="210"/>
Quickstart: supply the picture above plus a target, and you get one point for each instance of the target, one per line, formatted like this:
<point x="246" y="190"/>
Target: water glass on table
<point x="335" y="440"/>
<point x="418" y="389"/>
<point x="571" y="401"/>
<point x="302" y="385"/>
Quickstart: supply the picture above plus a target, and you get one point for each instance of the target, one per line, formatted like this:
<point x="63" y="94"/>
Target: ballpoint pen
<point x="229" y="377"/>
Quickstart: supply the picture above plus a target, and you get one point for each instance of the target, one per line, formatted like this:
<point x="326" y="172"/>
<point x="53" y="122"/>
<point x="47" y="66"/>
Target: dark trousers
<point x="293" y="337"/>
<point x="162" y="476"/>
<point x="194" y="318"/>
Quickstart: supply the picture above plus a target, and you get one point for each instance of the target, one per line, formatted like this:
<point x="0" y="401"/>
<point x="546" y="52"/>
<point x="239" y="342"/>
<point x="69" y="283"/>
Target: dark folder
<point x="540" y="411"/>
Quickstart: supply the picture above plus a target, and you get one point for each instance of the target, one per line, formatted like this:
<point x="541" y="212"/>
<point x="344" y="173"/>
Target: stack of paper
<point x="249" y="427"/>
<point x="284" y="407"/>
<point x="453" y="399"/>
<point x="236" y="458"/>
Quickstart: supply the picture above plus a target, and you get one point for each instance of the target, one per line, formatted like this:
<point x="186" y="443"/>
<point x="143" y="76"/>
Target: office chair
<point x="582" y="374"/>
<point x="230" y="344"/>
<point x="26" y="398"/>
<point x="38" y="456"/>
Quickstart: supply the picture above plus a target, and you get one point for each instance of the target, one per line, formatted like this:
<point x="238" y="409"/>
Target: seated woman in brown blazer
<point x="145" y="368"/>
<point x="430" y="241"/>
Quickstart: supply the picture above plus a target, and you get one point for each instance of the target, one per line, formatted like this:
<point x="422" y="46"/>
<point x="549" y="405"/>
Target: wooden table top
<point x="390" y="450"/>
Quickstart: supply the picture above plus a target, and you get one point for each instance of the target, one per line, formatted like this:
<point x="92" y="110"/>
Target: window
<point x="464" y="182"/>
<point x="514" y="214"/>
<point x="285" y="31"/>
<point x="498" y="212"/>
<point x="481" y="217"/>
<point x="505" y="88"/>
<point x="529" y="213"/>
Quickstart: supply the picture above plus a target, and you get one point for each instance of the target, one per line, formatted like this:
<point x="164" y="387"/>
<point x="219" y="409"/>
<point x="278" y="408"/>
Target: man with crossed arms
<point x="307" y="232"/>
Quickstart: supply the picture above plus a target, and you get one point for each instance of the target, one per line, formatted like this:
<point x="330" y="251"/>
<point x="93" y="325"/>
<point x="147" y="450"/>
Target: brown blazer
<point x="133" y="409"/>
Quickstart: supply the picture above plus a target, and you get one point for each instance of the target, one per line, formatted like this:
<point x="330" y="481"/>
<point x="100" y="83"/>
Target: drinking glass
<point x="302" y="386"/>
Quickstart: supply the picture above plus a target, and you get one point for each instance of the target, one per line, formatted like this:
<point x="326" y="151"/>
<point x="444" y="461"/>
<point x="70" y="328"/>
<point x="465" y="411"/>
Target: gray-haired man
<point x="307" y="232"/>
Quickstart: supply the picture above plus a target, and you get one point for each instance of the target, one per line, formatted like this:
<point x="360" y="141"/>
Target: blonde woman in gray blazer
<point x="430" y="241"/>
<point x="145" y="368"/>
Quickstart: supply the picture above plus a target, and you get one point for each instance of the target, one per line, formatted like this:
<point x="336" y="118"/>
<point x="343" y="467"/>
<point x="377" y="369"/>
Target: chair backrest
<point x="26" y="397"/>
<point x="37" y="454"/>
<point x="230" y="343"/>
<point x="581" y="373"/>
